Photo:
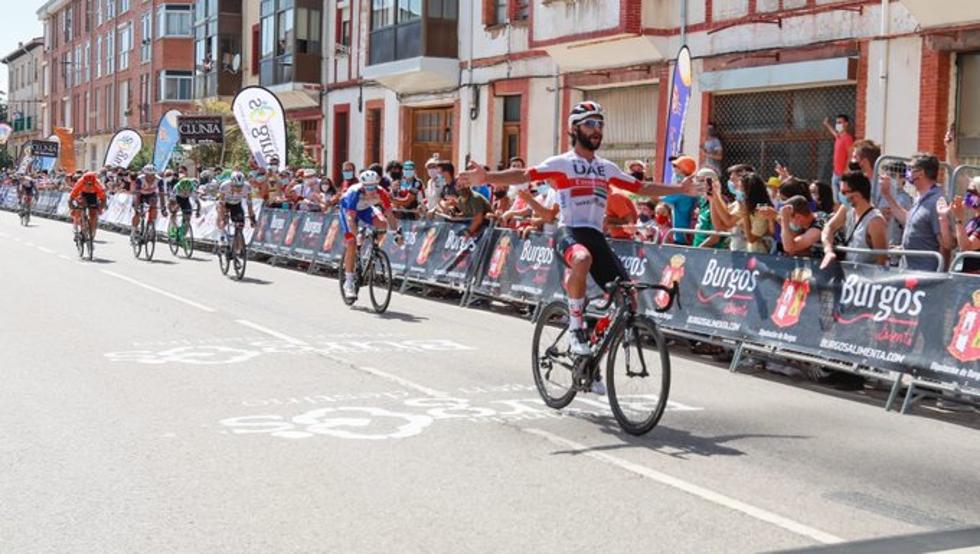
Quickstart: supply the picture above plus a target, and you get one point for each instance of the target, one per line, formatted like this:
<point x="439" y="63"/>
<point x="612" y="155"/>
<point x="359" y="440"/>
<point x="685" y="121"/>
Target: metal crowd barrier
<point x="958" y="260"/>
<point x="895" y="166"/>
<point x="940" y="261"/>
<point x="962" y="176"/>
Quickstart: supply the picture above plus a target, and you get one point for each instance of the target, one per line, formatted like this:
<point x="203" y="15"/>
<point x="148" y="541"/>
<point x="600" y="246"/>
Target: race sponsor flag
<point x="680" y="93"/>
<point x="262" y="120"/>
<point x="167" y="138"/>
<point x="66" y="153"/>
<point x="47" y="164"/>
<point x="5" y="131"/>
<point x="123" y="148"/>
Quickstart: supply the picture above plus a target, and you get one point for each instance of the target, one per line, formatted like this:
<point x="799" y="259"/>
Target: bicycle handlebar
<point x="673" y="292"/>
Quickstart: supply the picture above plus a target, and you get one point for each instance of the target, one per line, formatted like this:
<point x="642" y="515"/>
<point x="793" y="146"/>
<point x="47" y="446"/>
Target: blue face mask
<point x="409" y="173"/>
<point x="732" y="188"/>
<point x="795" y="228"/>
<point x="845" y="201"/>
<point x="543" y="189"/>
<point x="370" y="188"/>
<point x="348" y="174"/>
<point x="739" y="196"/>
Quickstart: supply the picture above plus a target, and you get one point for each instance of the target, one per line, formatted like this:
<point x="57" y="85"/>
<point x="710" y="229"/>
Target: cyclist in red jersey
<point x="582" y="180"/>
<point x="92" y="195"/>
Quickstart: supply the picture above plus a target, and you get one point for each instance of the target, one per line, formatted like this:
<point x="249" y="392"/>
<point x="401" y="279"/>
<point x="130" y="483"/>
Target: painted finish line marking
<point x="692" y="489"/>
<point x="408" y="417"/>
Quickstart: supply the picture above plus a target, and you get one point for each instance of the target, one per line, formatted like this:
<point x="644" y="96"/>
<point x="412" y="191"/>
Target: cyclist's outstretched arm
<point x="475" y="175"/>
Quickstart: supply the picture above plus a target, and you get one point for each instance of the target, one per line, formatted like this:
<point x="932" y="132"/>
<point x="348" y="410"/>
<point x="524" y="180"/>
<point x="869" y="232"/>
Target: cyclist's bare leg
<point x="136" y="214"/>
<point x="152" y="216"/>
<point x="350" y="254"/>
<point x="579" y="261"/>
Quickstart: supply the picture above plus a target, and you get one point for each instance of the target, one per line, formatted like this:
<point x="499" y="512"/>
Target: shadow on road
<point x="254" y="281"/>
<point x="164" y="262"/>
<point x="399" y="316"/>
<point x="99" y="261"/>
<point x="959" y="540"/>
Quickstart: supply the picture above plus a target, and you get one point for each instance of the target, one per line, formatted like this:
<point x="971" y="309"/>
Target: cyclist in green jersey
<point x="181" y="194"/>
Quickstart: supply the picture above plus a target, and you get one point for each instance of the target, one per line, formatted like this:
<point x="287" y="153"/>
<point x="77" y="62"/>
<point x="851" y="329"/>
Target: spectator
<point x="712" y="151"/>
<point x="502" y="201"/>
<point x="518" y="209"/>
<point x="823" y="197"/>
<point x="864" y="225"/>
<point x="772" y="187"/>
<point x="621" y="214"/>
<point x="348" y="176"/>
<point x="435" y="187"/>
<point x="395" y="172"/>
<point x="707" y="178"/>
<point x="801" y="228"/>
<point x="637" y="169"/>
<point x="966" y="223"/>
<point x="517" y="162"/>
<point x="843" y="141"/>
<point x="682" y="204"/>
<point x="473" y="207"/>
<point x="796" y="187"/>
<point x="544" y="209"/>
<point x="864" y="156"/>
<point x="662" y="224"/>
<point x="407" y="192"/>
<point x="922" y="225"/>
<point x="750" y="218"/>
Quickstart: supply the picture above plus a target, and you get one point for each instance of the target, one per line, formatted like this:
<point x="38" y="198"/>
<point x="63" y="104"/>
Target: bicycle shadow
<point x="96" y="260"/>
<point x="668" y="441"/>
<point x="253" y="281"/>
<point x="392" y="315"/>
<point x="164" y="262"/>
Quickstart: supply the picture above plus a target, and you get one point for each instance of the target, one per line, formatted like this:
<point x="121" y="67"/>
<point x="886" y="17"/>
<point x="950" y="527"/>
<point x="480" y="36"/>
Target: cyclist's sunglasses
<point x="593" y="123"/>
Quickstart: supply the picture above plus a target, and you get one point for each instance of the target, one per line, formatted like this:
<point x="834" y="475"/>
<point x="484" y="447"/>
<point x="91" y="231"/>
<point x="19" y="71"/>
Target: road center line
<point x="402" y="381"/>
<point x="694" y="490"/>
<point x="266" y="330"/>
<point x="45" y="250"/>
<point x="161" y="292"/>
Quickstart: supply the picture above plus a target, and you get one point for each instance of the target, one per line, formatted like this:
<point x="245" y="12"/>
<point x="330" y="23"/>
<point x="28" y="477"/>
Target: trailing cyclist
<point x="366" y="202"/>
<point x="231" y="194"/>
<point x="582" y="180"/>
<point x="181" y="194"/>
<point x="26" y="191"/>
<point x="88" y="194"/>
<point x="147" y="190"/>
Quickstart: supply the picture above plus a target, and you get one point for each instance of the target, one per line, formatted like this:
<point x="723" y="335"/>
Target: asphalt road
<point x="161" y="407"/>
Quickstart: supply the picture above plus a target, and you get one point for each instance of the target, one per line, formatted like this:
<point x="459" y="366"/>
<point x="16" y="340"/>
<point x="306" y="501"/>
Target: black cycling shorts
<point x="606" y="265"/>
<point x="90" y="200"/>
<point x="235" y="211"/>
<point x="184" y="203"/>
<point x="148" y="199"/>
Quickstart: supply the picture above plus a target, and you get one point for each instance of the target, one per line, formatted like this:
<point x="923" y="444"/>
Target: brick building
<point x="488" y="79"/>
<point x="24" y="94"/>
<point x="110" y="64"/>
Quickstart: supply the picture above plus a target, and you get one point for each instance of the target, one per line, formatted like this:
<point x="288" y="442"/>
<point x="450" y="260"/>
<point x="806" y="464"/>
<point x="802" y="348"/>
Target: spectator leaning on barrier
<point x="922" y="225"/>
<point x="965" y="220"/>
<point x="434" y="186"/>
<point x="543" y="206"/>
<point x="473" y="207"/>
<point x="801" y="228"/>
<point x="864" y="226"/>
<point x="843" y="140"/>
<point x="726" y="213"/>
<point x="708" y="179"/>
<point x="682" y="204"/>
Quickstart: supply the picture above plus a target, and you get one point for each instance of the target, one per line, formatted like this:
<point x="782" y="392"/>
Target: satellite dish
<point x="236" y="63"/>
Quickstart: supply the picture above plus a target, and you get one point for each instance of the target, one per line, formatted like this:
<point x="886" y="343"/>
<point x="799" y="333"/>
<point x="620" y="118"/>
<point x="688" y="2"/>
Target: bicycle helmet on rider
<point x="237" y="178"/>
<point x="370" y="179"/>
<point x="583" y="111"/>
<point x="90" y="178"/>
<point x="149" y="170"/>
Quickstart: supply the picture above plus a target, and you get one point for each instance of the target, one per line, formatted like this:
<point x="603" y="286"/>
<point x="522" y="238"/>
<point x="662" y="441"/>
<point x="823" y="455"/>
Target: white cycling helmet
<point x="369" y="177"/>
<point x="237" y="178"/>
<point x="149" y="169"/>
<point x="583" y="111"/>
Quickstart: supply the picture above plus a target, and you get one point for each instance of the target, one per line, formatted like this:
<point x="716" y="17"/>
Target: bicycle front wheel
<point x="80" y="243"/>
<point x="239" y="255"/>
<point x="136" y="240"/>
<point x="552" y="361"/>
<point x="149" y="242"/>
<point x="379" y="281"/>
<point x="186" y="234"/>
<point x="173" y="237"/>
<point x="638" y="378"/>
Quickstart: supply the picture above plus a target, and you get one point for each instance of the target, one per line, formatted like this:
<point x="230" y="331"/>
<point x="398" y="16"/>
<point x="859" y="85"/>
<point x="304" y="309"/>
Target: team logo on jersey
<point x="965" y="344"/>
<point x="792" y="298"/>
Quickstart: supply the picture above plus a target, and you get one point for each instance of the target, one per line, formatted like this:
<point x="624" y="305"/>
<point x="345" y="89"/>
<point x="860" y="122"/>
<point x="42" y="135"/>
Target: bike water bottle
<point x="600" y="328"/>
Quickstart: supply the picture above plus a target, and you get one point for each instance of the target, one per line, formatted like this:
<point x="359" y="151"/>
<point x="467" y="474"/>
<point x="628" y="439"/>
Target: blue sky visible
<point x="18" y="23"/>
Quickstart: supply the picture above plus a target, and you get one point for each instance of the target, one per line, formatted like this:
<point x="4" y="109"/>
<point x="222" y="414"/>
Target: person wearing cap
<point x="922" y="222"/>
<point x="682" y="204"/>
<point x="637" y="169"/>
<point x="406" y="191"/>
<point x="435" y="186"/>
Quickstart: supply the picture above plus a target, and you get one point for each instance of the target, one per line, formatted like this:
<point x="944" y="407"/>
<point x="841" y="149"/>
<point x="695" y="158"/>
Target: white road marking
<point x="266" y="330"/>
<point x="161" y="292"/>
<point x="63" y="257"/>
<point x="694" y="490"/>
<point x="45" y="250"/>
<point x="373" y="371"/>
<point x="29" y="243"/>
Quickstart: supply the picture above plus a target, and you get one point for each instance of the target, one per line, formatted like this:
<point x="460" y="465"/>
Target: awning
<point x="785" y="75"/>
<point x="931" y="13"/>
<point x="296" y="100"/>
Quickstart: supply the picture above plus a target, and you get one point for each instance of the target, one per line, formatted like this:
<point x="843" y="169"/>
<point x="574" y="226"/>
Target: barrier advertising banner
<point x="262" y="120"/>
<point x="167" y="139"/>
<point x="123" y="148"/>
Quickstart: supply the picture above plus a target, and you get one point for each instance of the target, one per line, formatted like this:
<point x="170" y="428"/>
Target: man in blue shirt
<point x="682" y="205"/>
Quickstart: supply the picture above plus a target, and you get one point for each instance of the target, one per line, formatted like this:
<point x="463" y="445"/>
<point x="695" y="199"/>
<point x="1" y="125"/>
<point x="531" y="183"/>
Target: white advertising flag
<point x="262" y="120"/>
<point x="123" y="148"/>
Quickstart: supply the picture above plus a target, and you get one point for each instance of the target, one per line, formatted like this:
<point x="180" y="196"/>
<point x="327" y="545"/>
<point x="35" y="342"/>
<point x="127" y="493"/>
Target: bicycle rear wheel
<point x="638" y="378"/>
<point x="552" y="363"/>
<point x="90" y="242"/>
<point x="186" y="234"/>
<point x="136" y="240"/>
<point x="239" y="254"/>
<point x="173" y="237"/>
<point x="379" y="281"/>
<point x="149" y="241"/>
<point x="80" y="243"/>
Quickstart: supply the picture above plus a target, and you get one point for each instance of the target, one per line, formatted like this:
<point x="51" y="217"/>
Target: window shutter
<point x="256" y="48"/>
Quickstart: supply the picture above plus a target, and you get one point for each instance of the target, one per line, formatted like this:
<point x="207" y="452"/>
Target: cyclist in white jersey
<point x="231" y="195"/>
<point x="147" y="190"/>
<point x="582" y="180"/>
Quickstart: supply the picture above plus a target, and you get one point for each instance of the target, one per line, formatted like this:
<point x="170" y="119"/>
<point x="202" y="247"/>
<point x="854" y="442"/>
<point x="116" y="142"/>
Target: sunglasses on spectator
<point x="593" y="123"/>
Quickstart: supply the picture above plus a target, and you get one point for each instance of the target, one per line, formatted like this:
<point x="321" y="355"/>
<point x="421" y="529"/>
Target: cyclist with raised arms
<point x="582" y="180"/>
<point x="231" y="194"/>
<point x="366" y="202"/>
<point x="26" y="191"/>
<point x="147" y="190"/>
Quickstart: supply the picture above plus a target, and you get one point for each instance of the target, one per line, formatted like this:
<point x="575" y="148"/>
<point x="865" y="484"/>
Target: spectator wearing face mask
<point x="543" y="209"/>
<point x="922" y="224"/>
<point x="637" y="169"/>
<point x="843" y="141"/>
<point x="450" y="195"/>
<point x="823" y="197"/>
<point x="657" y="228"/>
<point x="751" y="228"/>
<point x="864" y="226"/>
<point x="621" y="214"/>
<point x="385" y="181"/>
<point x="801" y="229"/>
<point x="434" y="186"/>
<point x="348" y="176"/>
<point x="406" y="193"/>
<point x="682" y="204"/>
<point x="963" y="215"/>
<point x="708" y="179"/>
<point x="472" y="207"/>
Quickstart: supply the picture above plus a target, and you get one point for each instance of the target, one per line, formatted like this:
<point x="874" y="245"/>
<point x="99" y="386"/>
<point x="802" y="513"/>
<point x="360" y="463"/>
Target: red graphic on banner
<point x="672" y="273"/>
<point x="499" y="259"/>
<point x="965" y="344"/>
<point x="427" y="244"/>
<point x="792" y="299"/>
<point x="331" y="237"/>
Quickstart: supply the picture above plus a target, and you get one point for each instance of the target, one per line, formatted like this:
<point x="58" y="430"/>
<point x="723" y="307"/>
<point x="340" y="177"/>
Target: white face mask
<point x="839" y="127"/>
<point x="434" y="173"/>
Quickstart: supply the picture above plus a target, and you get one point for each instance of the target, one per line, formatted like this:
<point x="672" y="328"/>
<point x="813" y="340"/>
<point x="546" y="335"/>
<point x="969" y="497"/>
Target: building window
<point x="123" y="6"/>
<point x="146" y="37"/>
<point x="174" y="20"/>
<point x="343" y="29"/>
<point x="175" y="85"/>
<point x="512" y="127"/>
<point x="98" y="12"/>
<point x="110" y="9"/>
<point x="110" y="52"/>
<point x="87" y="72"/>
<point x="66" y="24"/>
<point x="98" y="57"/>
<point x="500" y="11"/>
<point x="125" y="45"/>
<point x="123" y="102"/>
<point x="521" y="9"/>
<point x="307" y="31"/>
<point x="385" y="13"/>
<point x="77" y="64"/>
<point x="287" y="31"/>
<point x="444" y="9"/>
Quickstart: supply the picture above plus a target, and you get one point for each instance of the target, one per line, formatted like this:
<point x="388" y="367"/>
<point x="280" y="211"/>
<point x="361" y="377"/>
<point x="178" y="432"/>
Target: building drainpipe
<point x="683" y="22"/>
<point x="883" y="69"/>
<point x="558" y="119"/>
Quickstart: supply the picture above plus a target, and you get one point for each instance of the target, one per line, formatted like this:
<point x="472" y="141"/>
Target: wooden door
<point x="432" y="133"/>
